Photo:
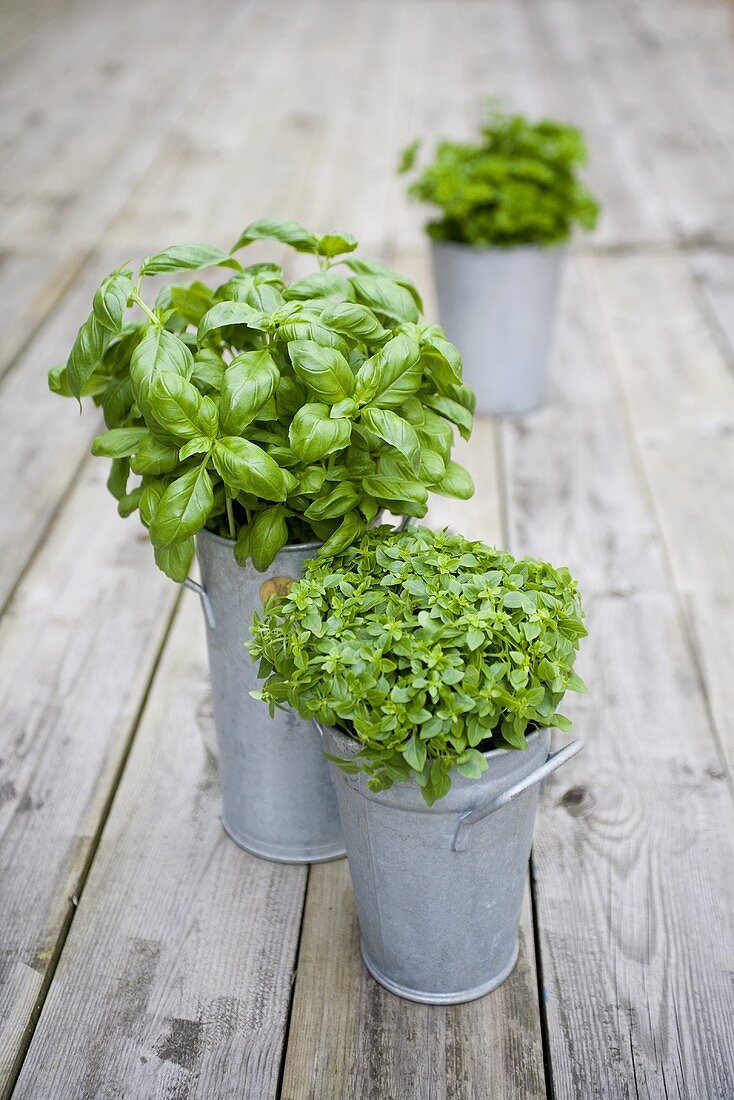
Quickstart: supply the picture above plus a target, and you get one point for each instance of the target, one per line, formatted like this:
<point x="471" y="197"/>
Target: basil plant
<point x="427" y="649"/>
<point x="518" y="184"/>
<point x="268" y="412"/>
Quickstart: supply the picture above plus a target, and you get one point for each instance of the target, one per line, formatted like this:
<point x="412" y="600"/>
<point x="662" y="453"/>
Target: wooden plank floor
<point x="142" y="955"/>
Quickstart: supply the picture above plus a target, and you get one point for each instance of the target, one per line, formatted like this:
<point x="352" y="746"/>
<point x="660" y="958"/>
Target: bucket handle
<point x="554" y="760"/>
<point x="203" y="595"/>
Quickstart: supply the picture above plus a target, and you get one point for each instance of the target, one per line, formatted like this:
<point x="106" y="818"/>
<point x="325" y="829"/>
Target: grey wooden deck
<point x="141" y="953"/>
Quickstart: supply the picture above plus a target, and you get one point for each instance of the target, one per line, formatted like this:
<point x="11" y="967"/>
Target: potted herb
<point x="507" y="206"/>
<point x="268" y="421"/>
<point x="435" y="667"/>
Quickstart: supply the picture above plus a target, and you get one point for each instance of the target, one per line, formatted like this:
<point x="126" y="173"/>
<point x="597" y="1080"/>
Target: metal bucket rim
<point x="222" y="541"/>
<point x="500" y="250"/>
<point x="531" y="739"/>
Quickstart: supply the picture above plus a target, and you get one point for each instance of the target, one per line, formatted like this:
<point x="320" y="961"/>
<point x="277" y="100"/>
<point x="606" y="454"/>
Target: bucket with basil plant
<point x="434" y="667"/>
<point x="508" y="204"/>
<point x="263" y="422"/>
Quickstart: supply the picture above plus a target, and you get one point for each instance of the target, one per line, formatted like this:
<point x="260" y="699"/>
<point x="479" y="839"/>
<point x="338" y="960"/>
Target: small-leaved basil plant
<point x="269" y="413"/>
<point x="427" y="649"/>
<point x="518" y="185"/>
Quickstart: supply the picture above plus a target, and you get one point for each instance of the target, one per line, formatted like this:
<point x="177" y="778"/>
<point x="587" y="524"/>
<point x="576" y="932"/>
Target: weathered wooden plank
<point x="634" y="838"/>
<point x="678" y="394"/>
<point x="714" y="271"/>
<point x="70" y="170"/>
<point x="31" y="284"/>
<point x="350" y="1037"/>
<point x="76" y="649"/>
<point x="42" y="441"/>
<point x="175" y="979"/>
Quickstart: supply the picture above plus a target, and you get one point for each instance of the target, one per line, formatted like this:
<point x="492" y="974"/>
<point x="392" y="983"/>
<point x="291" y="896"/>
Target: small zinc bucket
<point x="439" y="889"/>
<point x="278" y="801"/>
<point x="498" y="306"/>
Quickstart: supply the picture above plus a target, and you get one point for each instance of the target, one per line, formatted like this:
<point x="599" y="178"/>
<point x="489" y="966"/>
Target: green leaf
<point x="313" y="434"/>
<point x="408" y="157"/>
<point x="336" y="244"/>
<point x="119" y="442"/>
<point x="350" y="528"/>
<point x="154" y="457"/>
<point x="471" y="764"/>
<point x="159" y="351"/>
<point x="395" y="488"/>
<point x="268" y="535"/>
<point x="456" y="482"/>
<point x="355" y="321"/>
<point x="110" y="300"/>
<point x="224" y="314"/>
<point x="247" y="468"/>
<point x="396" y="432"/>
<point x="192" y="302"/>
<point x="179" y="407"/>
<point x="393" y="375"/>
<point x="322" y="284"/>
<point x="200" y="444"/>
<point x="209" y="368"/>
<point x="248" y="384"/>
<point x="187" y="257"/>
<point x="86" y="354"/>
<point x="386" y="298"/>
<point x="338" y="502"/>
<point x="452" y="411"/>
<point x="129" y="503"/>
<point x="371" y="267"/>
<point x="175" y="561"/>
<point x="278" y="229"/>
<point x="324" y="371"/>
<point x="117" y="480"/>
<point x="415" y="753"/>
<point x="183" y="509"/>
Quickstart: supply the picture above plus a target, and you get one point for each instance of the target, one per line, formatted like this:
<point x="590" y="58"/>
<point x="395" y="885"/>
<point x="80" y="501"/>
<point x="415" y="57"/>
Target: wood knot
<point x="577" y="800"/>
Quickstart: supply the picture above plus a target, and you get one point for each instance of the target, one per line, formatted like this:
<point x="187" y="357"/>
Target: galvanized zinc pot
<point x="278" y="801"/>
<point x="498" y="306"/>
<point x="439" y="889"/>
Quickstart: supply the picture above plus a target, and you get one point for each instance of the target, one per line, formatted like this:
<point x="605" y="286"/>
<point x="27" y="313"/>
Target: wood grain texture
<point x="633" y="846"/>
<point x="350" y="1037"/>
<point x="75" y="659"/>
<point x="175" y="979"/>
<point x="677" y="392"/>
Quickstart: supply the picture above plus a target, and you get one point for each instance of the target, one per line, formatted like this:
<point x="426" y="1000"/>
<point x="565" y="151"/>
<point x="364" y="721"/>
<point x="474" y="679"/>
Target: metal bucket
<point x="439" y="889"/>
<point x="278" y="801"/>
<point x="498" y="306"/>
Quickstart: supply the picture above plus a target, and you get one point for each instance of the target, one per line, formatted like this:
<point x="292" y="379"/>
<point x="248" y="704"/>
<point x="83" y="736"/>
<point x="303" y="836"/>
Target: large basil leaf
<point x="110" y="300"/>
<point x="154" y="457"/>
<point x="117" y="480"/>
<point x="456" y="482"/>
<point x="342" y="499"/>
<point x="209" y="369"/>
<point x="178" y="407"/>
<point x="336" y="244"/>
<point x="158" y="351"/>
<point x="119" y="442"/>
<point x="371" y="267"/>
<point x="187" y="257"/>
<point x="231" y="313"/>
<point x="192" y="302"/>
<point x="393" y="375"/>
<point x="86" y="354"/>
<point x="117" y="401"/>
<point x="278" y="229"/>
<point x="245" y="467"/>
<point x="322" y="284"/>
<point x="183" y="509"/>
<point x="346" y="533"/>
<point x="248" y="383"/>
<point x="313" y="434"/>
<point x="395" y="488"/>
<point x="396" y="432"/>
<point x="324" y="371"/>
<point x="175" y="561"/>
<point x="453" y="411"/>
<point x="354" y="320"/>
<point x="268" y="535"/>
<point x="385" y="297"/>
